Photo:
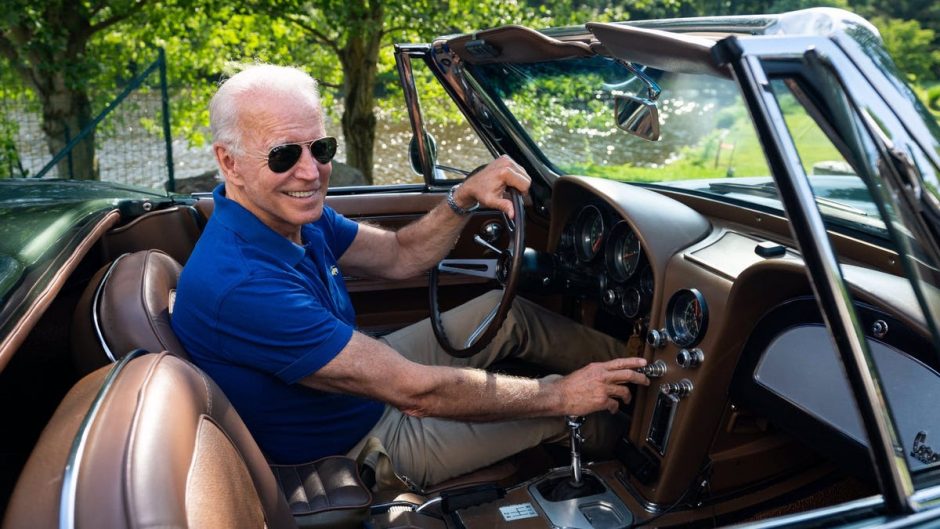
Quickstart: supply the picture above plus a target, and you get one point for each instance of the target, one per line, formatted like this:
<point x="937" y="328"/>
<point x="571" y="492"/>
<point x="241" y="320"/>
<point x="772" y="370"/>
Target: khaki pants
<point x="430" y="450"/>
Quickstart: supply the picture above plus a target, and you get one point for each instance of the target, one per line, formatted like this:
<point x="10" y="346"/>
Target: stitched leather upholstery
<point x="324" y="493"/>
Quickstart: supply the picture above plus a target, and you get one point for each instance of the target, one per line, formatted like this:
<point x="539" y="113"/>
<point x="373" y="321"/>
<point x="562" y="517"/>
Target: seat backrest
<point x="148" y="442"/>
<point x="126" y="306"/>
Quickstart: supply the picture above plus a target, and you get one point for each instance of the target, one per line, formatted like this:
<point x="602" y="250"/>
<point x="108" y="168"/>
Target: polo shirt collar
<point x="246" y="225"/>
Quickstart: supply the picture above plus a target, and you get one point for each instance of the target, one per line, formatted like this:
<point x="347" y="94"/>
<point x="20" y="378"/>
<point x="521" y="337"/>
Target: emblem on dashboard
<point x="921" y="451"/>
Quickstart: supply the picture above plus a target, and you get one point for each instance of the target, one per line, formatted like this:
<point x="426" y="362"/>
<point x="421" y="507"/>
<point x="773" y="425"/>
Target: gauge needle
<point x="596" y="246"/>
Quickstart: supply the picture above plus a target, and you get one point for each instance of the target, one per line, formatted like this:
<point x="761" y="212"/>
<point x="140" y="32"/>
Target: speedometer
<point x="686" y="317"/>
<point x="623" y="252"/>
<point x="590" y="232"/>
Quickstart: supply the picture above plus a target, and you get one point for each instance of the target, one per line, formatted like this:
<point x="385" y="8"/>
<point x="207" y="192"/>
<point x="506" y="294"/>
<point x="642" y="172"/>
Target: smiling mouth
<point x="300" y="194"/>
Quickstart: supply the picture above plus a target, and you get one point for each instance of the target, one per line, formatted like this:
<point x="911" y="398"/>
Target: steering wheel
<point x="504" y="269"/>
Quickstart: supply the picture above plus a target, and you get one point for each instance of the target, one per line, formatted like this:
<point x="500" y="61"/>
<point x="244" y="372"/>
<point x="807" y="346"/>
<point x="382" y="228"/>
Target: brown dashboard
<point x="693" y="280"/>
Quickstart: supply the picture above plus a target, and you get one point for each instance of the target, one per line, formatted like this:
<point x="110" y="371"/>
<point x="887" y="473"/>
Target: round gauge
<point x="623" y="252"/>
<point x="646" y="281"/>
<point x="590" y="232"/>
<point x="631" y="303"/>
<point x="686" y="317"/>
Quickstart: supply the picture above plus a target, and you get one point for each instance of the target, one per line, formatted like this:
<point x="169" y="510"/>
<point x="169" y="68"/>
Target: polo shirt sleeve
<point x="338" y="231"/>
<point x="274" y="325"/>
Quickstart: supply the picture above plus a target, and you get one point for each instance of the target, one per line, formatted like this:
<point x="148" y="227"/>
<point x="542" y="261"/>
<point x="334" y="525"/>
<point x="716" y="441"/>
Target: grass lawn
<point x="743" y="157"/>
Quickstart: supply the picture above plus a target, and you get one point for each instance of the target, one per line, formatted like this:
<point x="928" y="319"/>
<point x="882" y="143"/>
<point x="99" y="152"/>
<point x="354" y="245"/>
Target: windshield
<point x="708" y="144"/>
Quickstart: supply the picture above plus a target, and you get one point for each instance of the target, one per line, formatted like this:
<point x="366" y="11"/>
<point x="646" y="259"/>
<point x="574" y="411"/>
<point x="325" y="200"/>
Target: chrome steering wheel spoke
<point x="485" y="268"/>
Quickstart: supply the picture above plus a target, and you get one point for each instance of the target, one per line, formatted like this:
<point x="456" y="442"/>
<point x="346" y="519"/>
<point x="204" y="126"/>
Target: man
<point x="263" y="309"/>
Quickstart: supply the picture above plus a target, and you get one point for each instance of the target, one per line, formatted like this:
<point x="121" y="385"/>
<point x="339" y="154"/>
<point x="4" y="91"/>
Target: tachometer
<point x="686" y="317"/>
<point x="590" y="232"/>
<point x="623" y="252"/>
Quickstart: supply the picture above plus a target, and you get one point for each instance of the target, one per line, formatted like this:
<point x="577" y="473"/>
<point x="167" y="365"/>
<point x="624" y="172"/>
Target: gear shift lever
<point x="574" y="424"/>
<point x="560" y="487"/>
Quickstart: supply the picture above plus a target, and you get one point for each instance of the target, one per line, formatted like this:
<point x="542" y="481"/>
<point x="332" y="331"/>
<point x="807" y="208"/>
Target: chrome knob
<point x="690" y="358"/>
<point x="654" y="370"/>
<point x="656" y="338"/>
<point x="610" y="297"/>
<point x="680" y="389"/>
<point x="491" y="232"/>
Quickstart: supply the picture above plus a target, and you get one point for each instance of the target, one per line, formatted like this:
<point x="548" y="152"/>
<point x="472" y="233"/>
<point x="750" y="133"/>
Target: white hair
<point x="265" y="80"/>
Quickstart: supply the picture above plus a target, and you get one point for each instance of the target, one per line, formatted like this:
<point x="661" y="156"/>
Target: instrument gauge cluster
<point x="601" y="257"/>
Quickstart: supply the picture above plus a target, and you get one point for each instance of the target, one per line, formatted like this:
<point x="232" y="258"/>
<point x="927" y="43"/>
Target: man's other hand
<point x="488" y="185"/>
<point x="599" y="386"/>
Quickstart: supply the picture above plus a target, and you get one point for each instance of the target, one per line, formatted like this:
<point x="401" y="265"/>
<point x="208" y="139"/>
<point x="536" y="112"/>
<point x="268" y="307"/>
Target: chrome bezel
<point x="588" y="214"/>
<point x="676" y="308"/>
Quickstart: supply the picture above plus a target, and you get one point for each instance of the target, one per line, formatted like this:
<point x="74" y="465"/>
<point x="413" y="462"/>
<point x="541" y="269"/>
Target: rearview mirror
<point x="637" y="116"/>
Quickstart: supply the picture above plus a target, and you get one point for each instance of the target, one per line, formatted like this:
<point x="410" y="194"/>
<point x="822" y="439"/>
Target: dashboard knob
<point x="654" y="370"/>
<point x="680" y="389"/>
<point x="690" y="358"/>
<point x="610" y="297"/>
<point x="656" y="338"/>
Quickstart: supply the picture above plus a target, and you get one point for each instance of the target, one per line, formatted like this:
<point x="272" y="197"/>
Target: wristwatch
<point x="462" y="212"/>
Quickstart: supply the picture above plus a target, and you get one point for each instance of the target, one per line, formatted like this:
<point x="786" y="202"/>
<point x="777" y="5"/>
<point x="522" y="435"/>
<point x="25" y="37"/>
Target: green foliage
<point x="933" y="98"/>
<point x="910" y="45"/>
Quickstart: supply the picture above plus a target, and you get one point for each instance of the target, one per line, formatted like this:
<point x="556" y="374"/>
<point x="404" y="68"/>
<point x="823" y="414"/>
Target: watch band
<point x="462" y="212"/>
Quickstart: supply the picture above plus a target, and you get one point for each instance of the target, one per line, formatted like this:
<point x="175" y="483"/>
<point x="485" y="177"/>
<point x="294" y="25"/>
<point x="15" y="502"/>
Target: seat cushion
<point x="325" y="493"/>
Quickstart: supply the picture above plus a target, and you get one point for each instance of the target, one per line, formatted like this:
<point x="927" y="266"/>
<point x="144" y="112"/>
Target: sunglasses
<point x="283" y="157"/>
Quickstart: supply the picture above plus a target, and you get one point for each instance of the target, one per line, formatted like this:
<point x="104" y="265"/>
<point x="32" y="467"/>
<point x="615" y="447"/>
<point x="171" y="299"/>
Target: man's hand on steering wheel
<point x="487" y="186"/>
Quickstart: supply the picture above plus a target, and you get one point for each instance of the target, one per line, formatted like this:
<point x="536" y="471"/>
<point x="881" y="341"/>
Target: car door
<point x="847" y="85"/>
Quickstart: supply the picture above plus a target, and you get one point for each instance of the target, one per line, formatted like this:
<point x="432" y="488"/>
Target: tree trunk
<point x="65" y="112"/>
<point x="359" y="59"/>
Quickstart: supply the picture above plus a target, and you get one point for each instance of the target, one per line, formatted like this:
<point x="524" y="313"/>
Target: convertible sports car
<point x="749" y="203"/>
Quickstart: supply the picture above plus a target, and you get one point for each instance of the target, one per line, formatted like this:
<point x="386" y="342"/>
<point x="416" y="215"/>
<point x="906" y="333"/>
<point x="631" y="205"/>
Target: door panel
<point x="382" y="305"/>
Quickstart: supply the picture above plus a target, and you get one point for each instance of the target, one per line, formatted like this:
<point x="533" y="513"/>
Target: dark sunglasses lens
<point x="323" y="149"/>
<point x="283" y="157"/>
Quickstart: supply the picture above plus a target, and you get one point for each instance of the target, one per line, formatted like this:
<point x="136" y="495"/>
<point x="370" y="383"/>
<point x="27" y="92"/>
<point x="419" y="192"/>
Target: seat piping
<point x="70" y="476"/>
<point x="96" y="303"/>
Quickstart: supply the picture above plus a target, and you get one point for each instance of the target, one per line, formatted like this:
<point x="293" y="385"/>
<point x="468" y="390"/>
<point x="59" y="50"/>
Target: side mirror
<point x="637" y="116"/>
<point x="414" y="154"/>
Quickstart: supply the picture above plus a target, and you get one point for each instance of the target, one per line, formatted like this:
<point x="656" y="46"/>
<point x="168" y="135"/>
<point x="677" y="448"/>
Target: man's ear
<point x="226" y="163"/>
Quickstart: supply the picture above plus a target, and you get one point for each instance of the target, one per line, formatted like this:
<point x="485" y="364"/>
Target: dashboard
<point x="704" y="287"/>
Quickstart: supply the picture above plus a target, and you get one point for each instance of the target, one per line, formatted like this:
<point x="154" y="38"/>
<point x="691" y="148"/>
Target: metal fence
<point x="132" y="135"/>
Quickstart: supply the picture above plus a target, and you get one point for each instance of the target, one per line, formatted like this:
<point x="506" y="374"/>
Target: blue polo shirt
<point x="258" y="313"/>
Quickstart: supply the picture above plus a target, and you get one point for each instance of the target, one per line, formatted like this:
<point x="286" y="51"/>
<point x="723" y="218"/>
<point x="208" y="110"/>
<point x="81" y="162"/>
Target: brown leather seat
<point x="155" y="443"/>
<point x="126" y="306"/>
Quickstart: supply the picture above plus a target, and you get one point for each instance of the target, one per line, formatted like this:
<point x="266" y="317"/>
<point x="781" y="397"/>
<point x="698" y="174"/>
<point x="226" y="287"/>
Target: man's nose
<point x="307" y="166"/>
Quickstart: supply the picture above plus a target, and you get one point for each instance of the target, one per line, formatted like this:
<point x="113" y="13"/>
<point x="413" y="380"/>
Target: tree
<point x="47" y="44"/>
<point x="910" y="45"/>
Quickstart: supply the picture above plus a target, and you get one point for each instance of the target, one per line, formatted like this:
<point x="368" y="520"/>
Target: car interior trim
<point x="95" y="317"/>
<point x="812" y="517"/>
<point x="67" y="499"/>
<point x="15" y="338"/>
<point x="514" y="44"/>
<point x="658" y="49"/>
